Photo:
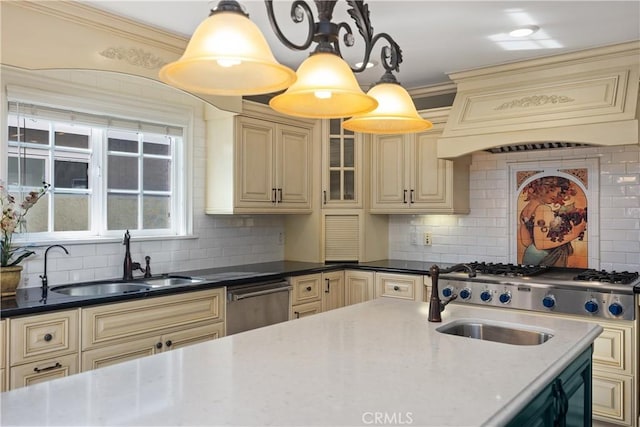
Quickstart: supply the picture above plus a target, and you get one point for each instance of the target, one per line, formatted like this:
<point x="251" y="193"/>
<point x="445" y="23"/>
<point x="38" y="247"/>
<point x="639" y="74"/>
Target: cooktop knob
<point x="505" y="297"/>
<point x="485" y="296"/>
<point x="591" y="306"/>
<point x="616" y="309"/>
<point x="447" y="292"/>
<point x="465" y="293"/>
<point x="549" y="301"/>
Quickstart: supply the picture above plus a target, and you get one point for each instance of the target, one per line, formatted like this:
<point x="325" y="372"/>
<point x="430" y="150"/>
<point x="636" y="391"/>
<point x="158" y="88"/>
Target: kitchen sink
<point x="99" y="289"/>
<point x="488" y="331"/>
<point x="161" y="282"/>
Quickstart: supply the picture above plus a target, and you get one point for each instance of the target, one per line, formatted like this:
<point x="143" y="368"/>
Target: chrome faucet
<point x="435" y="305"/>
<point x="129" y="265"/>
<point x="45" y="281"/>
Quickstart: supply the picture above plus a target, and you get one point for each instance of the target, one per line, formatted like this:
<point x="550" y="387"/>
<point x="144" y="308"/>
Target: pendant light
<point x="325" y="88"/>
<point x="395" y="113"/>
<point x="227" y="55"/>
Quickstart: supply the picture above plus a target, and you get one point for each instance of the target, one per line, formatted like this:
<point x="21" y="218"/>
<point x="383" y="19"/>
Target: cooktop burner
<point x="511" y="270"/>
<point x="623" y="278"/>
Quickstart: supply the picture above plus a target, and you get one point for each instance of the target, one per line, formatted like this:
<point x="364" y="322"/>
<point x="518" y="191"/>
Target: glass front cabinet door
<point x="342" y="166"/>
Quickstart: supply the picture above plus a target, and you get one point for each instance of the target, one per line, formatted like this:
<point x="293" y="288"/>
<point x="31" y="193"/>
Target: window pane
<point x="36" y="219"/>
<point x="122" y="173"/>
<point x="126" y="142"/>
<point x="334" y="152"/>
<point x="349" y="185"/>
<point x="122" y="212"/>
<point x="71" y="212"/>
<point x="156" y="213"/>
<point x="71" y="136"/>
<point x="157" y="175"/>
<point x="71" y="174"/>
<point x="32" y="170"/>
<point x="348" y="153"/>
<point x="334" y="126"/>
<point x="334" y="185"/>
<point x="30" y="130"/>
<point x="156" y="144"/>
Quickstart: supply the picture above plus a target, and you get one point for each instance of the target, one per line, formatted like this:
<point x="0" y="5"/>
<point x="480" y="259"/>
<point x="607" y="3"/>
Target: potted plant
<point x="13" y="216"/>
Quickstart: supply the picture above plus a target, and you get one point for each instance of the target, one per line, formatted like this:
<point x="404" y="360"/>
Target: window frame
<point x="118" y="109"/>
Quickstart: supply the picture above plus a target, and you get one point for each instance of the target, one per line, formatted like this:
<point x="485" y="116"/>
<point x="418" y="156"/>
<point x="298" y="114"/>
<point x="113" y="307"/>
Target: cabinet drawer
<point x="37" y="372"/>
<point x="106" y="356"/>
<point x="192" y="336"/>
<point x="612" y="397"/>
<point x="613" y="348"/>
<point x="397" y="286"/>
<point x="119" y="322"/>
<point x="306" y="289"/>
<point x="303" y="310"/>
<point x="43" y="336"/>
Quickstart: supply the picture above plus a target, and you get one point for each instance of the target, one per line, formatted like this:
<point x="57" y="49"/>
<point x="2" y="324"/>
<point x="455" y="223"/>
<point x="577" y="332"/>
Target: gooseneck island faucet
<point x="435" y="305"/>
<point x="129" y="265"/>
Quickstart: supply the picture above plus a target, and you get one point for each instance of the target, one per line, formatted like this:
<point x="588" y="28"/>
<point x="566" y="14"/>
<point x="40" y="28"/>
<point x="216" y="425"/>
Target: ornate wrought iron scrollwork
<point x="327" y="34"/>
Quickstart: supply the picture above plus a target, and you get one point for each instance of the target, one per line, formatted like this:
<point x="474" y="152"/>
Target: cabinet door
<point x="333" y="290"/>
<point x="358" y="286"/>
<point x="292" y="166"/>
<point x="429" y="178"/>
<point x="192" y="336"/>
<point x="255" y="163"/>
<point x="341" y="166"/>
<point x="106" y="356"/>
<point x="389" y="172"/>
<point x="612" y="397"/>
<point x="45" y="370"/>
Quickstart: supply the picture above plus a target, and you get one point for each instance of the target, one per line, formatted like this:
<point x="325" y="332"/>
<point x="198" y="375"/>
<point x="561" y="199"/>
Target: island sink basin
<point x="100" y="289"/>
<point x="497" y="332"/>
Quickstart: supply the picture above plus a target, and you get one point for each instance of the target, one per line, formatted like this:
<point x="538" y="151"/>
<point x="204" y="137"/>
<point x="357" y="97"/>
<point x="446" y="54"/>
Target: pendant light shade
<point x="395" y="114"/>
<point x="227" y="55"/>
<point x="325" y="88"/>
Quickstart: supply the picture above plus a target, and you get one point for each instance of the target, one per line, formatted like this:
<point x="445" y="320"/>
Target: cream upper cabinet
<point x="342" y="168"/>
<point x="258" y="163"/>
<point x="408" y="177"/>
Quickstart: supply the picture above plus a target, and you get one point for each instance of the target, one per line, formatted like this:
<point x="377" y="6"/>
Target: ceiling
<point x="436" y="37"/>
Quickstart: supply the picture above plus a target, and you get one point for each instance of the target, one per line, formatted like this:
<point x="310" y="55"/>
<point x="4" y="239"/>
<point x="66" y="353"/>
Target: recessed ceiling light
<point x="524" y="31"/>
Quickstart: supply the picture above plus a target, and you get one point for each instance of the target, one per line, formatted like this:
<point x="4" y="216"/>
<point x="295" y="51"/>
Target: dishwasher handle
<point x="271" y="290"/>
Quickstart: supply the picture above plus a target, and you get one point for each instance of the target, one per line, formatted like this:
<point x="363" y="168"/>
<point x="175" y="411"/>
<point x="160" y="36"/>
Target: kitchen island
<point x="380" y="360"/>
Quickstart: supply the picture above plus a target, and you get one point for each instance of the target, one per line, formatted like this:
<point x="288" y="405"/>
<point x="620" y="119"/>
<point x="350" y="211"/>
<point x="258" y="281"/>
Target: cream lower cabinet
<point x="359" y="286"/>
<point x="116" y="333"/>
<point x="306" y="296"/>
<point x="333" y="290"/>
<point x="43" y="347"/>
<point x="3" y="356"/>
<point x="408" y="177"/>
<point x="404" y="286"/>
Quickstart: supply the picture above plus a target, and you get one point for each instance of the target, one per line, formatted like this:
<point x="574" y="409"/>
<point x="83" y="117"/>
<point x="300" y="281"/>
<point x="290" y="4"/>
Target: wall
<point x="484" y="234"/>
<point x="218" y="240"/>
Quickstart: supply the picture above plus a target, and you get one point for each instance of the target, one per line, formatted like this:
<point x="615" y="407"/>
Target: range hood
<point x="582" y="98"/>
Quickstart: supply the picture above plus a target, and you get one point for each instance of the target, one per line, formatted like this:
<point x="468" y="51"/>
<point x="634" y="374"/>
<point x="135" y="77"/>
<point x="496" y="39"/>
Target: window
<point x="107" y="174"/>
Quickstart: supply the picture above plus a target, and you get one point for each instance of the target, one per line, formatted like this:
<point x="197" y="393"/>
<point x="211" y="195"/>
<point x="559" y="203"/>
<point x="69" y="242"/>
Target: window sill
<point x="97" y="240"/>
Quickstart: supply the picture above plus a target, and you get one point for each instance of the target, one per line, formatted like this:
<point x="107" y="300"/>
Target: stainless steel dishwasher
<point x="257" y="305"/>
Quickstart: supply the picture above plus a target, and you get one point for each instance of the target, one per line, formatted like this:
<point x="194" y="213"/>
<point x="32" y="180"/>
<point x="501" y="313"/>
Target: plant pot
<point x="9" y="280"/>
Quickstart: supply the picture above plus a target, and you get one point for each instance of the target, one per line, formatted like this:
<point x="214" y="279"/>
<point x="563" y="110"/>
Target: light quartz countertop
<point x="380" y="360"/>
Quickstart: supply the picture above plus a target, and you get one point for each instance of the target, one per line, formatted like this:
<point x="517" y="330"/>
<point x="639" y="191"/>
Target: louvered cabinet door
<point x="341" y="237"/>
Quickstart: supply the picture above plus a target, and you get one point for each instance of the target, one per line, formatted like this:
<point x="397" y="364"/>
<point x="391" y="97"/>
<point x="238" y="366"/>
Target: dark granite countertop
<point x="31" y="300"/>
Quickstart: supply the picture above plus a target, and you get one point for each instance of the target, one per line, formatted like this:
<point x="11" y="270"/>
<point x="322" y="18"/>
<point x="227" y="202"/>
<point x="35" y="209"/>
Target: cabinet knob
<point x="159" y="345"/>
<point x="168" y="343"/>
<point x="396" y="288"/>
<point x="308" y="288"/>
<point x="48" y="337"/>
